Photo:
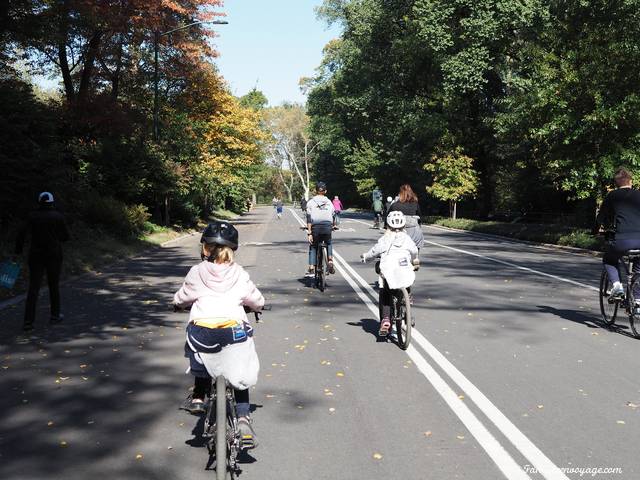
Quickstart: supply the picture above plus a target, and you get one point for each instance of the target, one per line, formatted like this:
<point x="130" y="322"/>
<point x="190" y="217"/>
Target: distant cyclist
<point x="620" y="211"/>
<point x="337" y="207"/>
<point x="407" y="203"/>
<point x="279" y="208"/>
<point x="320" y="223"/>
<point x="378" y="209"/>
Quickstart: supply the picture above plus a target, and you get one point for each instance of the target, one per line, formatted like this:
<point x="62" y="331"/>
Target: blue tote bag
<point x="9" y="272"/>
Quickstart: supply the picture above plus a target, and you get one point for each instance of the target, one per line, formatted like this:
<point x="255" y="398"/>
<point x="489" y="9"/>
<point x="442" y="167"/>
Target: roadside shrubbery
<point x="534" y="232"/>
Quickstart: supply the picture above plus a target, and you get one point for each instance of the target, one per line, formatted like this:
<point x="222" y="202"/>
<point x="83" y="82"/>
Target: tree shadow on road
<point x="588" y="320"/>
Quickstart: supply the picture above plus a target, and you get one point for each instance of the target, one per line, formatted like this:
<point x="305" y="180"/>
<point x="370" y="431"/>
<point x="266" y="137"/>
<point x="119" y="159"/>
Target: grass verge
<point x="533" y="232"/>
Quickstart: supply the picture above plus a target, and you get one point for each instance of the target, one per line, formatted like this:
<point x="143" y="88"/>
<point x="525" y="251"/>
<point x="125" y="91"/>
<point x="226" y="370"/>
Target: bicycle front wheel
<point x="221" y="428"/>
<point x="634" y="311"/>
<point x="608" y="306"/>
<point x="403" y="319"/>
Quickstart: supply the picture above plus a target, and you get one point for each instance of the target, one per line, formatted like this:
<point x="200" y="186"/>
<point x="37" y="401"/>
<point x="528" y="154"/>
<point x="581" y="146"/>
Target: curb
<point x="551" y="246"/>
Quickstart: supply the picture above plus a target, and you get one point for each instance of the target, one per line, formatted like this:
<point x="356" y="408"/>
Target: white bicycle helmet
<point x="396" y="220"/>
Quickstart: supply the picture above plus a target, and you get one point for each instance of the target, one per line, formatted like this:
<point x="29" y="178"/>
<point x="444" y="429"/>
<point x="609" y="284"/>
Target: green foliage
<point x="453" y="176"/>
<point x="255" y="100"/>
<point x="541" y="94"/>
<point x="115" y="216"/>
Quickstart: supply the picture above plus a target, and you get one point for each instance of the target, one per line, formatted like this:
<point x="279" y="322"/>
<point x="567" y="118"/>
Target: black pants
<point x="384" y="300"/>
<point x="613" y="253"/>
<point x="38" y="264"/>
<point x="202" y="388"/>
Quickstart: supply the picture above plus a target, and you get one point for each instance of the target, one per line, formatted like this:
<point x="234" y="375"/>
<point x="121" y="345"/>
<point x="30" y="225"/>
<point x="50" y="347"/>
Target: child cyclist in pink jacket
<point x="219" y="336"/>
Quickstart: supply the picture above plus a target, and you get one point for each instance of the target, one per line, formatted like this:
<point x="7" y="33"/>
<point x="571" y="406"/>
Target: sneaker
<point x="55" y="319"/>
<point x="310" y="273"/>
<point x="385" y="326"/>
<point x="195" y="406"/>
<point x="330" y="268"/>
<point x="248" y="438"/>
<point x="617" y="290"/>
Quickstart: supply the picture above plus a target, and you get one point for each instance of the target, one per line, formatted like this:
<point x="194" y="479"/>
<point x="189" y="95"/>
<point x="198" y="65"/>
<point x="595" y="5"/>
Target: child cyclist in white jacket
<point x="398" y="254"/>
<point x="219" y="336"/>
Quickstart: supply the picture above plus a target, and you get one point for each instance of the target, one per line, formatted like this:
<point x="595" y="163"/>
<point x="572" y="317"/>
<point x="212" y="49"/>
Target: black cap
<point x="321" y="187"/>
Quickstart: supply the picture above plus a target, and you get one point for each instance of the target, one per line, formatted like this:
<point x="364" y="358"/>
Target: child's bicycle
<point x="401" y="317"/>
<point x="225" y="442"/>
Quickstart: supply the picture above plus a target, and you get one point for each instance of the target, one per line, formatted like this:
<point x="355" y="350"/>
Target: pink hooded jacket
<point x="218" y="291"/>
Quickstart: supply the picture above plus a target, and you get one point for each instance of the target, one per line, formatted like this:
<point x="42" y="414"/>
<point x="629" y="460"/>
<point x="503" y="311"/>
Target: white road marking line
<point x="513" y="265"/>
<point x="487" y="441"/>
<point x="509" y="264"/>
<point x="537" y="458"/>
<point x="494" y="449"/>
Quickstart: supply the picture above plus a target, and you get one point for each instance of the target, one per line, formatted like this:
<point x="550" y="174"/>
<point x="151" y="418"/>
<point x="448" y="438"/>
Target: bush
<point x="534" y="232"/>
<point x="115" y="216"/>
<point x="136" y="218"/>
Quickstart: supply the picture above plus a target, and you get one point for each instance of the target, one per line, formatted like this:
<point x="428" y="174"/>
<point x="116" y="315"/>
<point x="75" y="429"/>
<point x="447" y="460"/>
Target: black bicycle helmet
<point x="220" y="233"/>
<point x="321" y="187"/>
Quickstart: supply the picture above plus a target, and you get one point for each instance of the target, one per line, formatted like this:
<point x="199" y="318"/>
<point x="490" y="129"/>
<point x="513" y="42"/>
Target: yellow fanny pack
<point x="216" y="322"/>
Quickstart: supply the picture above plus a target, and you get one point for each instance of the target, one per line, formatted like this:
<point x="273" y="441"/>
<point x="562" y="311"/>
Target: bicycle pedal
<point x="247" y="442"/>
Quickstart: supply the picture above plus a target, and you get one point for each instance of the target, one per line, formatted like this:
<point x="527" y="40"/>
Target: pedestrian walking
<point x="46" y="230"/>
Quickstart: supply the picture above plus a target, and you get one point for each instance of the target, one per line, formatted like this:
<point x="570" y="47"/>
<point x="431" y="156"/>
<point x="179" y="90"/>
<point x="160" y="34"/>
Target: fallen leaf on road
<point x="339" y="374"/>
<point x="632" y="405"/>
<point x="63" y="443"/>
<point x="461" y="397"/>
<point x="138" y="456"/>
<point x="49" y="423"/>
<point x="460" y="437"/>
<point x="540" y="407"/>
<point x="332" y="410"/>
<point x="595" y="333"/>
<point x="377" y="456"/>
<point x="427" y="434"/>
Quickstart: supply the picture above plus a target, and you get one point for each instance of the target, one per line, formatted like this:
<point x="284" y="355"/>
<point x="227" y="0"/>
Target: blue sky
<point x="272" y="42"/>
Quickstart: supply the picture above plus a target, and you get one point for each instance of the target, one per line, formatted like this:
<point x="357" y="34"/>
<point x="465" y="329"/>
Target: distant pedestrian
<point x="279" y="208"/>
<point x="47" y="231"/>
<point x="303" y="205"/>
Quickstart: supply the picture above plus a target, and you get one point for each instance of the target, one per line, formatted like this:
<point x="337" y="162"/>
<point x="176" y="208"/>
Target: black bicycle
<point x="377" y="220"/>
<point x="225" y="442"/>
<point x="401" y="316"/>
<point x="610" y="304"/>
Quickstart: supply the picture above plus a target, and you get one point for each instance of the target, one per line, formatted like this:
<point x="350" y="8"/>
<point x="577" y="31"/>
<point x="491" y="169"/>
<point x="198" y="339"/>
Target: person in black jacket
<point x="47" y="230"/>
<point x="620" y="211"/>
<point x="407" y="203"/>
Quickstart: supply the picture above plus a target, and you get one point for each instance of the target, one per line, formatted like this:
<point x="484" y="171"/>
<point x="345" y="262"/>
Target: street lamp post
<point x="156" y="40"/>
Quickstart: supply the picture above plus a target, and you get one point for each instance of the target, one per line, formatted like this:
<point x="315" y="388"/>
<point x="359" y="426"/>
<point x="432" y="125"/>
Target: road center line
<point x="498" y="454"/>
<point x="509" y="264"/>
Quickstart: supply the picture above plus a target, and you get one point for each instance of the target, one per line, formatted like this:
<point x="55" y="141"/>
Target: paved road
<point x="510" y="369"/>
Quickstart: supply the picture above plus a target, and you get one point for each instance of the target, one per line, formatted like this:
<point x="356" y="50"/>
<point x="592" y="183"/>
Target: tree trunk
<point x="87" y="70"/>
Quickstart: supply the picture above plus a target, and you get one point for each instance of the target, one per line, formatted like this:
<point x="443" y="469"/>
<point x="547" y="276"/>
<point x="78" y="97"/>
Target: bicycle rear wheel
<point x="221" y="428"/>
<point x="634" y="312"/>
<point x="608" y="306"/>
<point x="403" y="319"/>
